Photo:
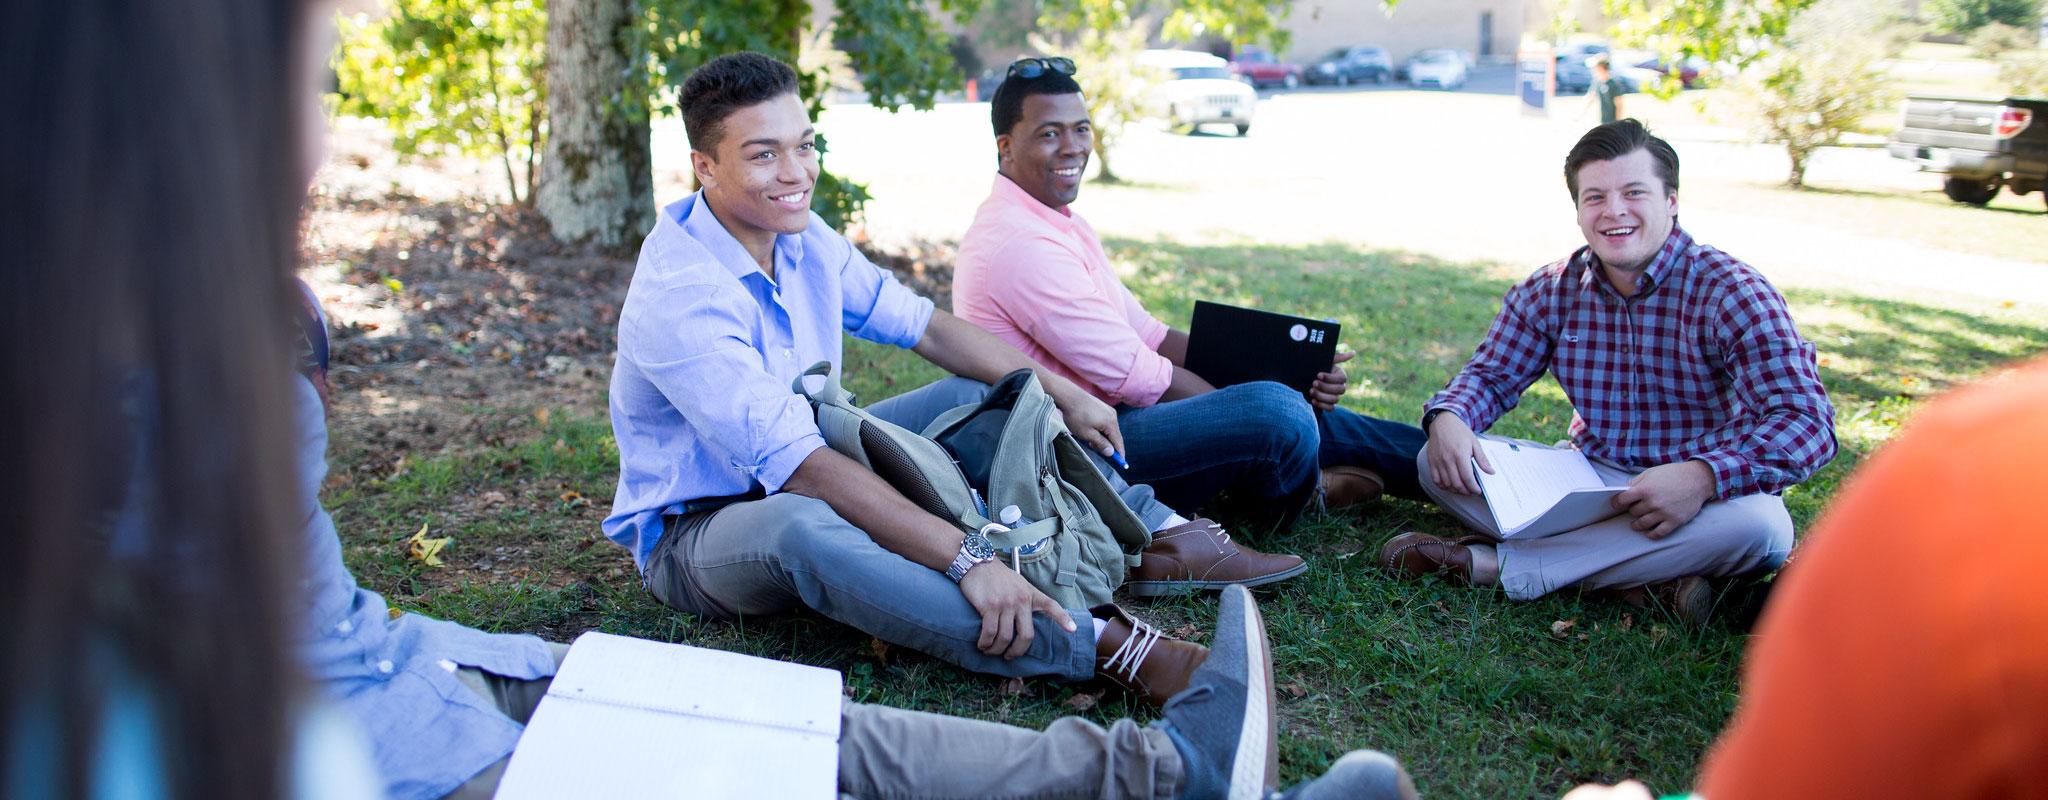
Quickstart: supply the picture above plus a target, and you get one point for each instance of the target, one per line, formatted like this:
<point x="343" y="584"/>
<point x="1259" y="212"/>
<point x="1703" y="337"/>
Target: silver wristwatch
<point x="973" y="550"/>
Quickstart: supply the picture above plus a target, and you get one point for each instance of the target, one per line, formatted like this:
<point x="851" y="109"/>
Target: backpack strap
<point x="839" y="419"/>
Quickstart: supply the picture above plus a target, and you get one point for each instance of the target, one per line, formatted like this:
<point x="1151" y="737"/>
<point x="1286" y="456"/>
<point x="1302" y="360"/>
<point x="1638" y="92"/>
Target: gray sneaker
<point x="1359" y="775"/>
<point x="1222" y="724"/>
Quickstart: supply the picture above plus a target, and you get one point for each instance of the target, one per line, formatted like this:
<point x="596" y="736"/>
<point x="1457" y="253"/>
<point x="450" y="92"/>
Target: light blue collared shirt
<point x="708" y="347"/>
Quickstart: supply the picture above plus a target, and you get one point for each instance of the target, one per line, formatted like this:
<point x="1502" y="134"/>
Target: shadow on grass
<point x="1481" y="697"/>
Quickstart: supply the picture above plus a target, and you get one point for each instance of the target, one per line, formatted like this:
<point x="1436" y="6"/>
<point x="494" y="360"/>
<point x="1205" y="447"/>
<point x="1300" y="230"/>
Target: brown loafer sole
<point x="1177" y="588"/>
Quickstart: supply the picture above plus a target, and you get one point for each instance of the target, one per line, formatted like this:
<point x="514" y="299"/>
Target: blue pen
<point x="1119" y="459"/>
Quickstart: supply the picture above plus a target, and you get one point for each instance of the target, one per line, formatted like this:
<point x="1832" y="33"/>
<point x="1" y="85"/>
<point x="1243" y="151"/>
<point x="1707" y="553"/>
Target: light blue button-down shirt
<point x="708" y="347"/>
<point x="428" y="733"/>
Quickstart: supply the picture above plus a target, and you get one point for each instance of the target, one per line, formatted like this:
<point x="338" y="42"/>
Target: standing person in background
<point x="1607" y="89"/>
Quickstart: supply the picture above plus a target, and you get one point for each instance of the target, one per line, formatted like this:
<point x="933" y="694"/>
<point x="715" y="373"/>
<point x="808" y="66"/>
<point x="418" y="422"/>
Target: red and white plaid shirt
<point x="1702" y="363"/>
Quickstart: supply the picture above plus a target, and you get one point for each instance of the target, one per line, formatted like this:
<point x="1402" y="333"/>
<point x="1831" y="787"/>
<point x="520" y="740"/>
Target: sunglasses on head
<point x="1028" y="68"/>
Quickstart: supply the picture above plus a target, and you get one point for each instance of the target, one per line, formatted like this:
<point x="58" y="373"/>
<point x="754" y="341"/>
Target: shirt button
<point x="384" y="666"/>
<point x="345" y="627"/>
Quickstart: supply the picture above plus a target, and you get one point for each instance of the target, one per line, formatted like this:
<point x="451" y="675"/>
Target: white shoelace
<point x="1131" y="654"/>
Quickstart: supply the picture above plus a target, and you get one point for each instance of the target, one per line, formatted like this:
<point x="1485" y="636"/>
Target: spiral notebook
<point x="634" y="718"/>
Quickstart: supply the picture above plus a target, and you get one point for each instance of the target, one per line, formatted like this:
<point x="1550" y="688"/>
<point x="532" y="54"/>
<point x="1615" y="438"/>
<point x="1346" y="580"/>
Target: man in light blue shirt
<point x="728" y="497"/>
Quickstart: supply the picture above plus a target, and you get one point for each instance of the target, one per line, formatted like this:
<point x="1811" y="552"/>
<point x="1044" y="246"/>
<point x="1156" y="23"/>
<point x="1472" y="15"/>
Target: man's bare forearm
<point x="1174" y="347"/>
<point x="861" y="497"/>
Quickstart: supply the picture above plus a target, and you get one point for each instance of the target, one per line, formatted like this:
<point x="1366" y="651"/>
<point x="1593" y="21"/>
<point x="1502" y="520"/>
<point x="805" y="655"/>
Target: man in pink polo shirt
<point x="1034" y="273"/>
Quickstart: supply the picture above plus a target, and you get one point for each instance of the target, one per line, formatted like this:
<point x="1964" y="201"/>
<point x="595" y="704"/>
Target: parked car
<point x="1572" y="75"/>
<point x="1348" y="65"/>
<point x="1979" y="144"/>
<point x="1441" y="68"/>
<point x="1200" y="89"/>
<point x="1261" y="69"/>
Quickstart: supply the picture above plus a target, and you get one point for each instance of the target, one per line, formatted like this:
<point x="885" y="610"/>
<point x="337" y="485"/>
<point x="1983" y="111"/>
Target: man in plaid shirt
<point x="1690" y="383"/>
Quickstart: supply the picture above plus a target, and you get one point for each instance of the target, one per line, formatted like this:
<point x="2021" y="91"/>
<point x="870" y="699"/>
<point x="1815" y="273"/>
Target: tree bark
<point x="596" y="184"/>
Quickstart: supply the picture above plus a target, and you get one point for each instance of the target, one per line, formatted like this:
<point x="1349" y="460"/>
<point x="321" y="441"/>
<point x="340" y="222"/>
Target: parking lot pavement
<point x="1461" y="176"/>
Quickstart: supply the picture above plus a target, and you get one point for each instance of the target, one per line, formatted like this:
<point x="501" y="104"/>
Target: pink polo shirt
<point x="1037" y="278"/>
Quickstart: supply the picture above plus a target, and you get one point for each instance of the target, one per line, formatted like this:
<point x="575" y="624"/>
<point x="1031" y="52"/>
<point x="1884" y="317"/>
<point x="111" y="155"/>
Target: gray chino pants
<point x="1729" y="537"/>
<point x="891" y="753"/>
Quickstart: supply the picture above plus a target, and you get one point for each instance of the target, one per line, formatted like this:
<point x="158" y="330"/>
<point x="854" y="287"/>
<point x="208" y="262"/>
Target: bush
<point x="2025" y="74"/>
<point x="1825" y="79"/>
<point x="1997" y="39"/>
<point x="1966" y="16"/>
<point x="453" y="75"/>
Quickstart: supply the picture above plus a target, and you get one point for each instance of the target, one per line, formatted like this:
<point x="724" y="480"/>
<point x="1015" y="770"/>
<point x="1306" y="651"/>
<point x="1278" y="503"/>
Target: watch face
<point x="978" y="547"/>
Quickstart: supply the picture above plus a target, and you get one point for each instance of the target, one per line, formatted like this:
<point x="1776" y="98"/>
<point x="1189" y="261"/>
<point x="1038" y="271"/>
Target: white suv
<point x="1200" y="89"/>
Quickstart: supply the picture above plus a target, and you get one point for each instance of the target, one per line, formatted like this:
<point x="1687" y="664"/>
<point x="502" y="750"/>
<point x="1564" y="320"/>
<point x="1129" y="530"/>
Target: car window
<point x="1201" y="73"/>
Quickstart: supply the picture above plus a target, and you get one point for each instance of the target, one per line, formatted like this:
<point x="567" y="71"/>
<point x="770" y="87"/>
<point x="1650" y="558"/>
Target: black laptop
<point x="1229" y="345"/>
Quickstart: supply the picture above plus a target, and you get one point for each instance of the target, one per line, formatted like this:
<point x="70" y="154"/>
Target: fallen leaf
<point x="1657" y="633"/>
<point x="1185" y="632"/>
<point x="541" y="416"/>
<point x="394" y="613"/>
<point x="1628" y="621"/>
<point x="1082" y="701"/>
<point x="879" y="649"/>
<point x="574" y="499"/>
<point x="1013" y="687"/>
<point x="1294" y="690"/>
<point x="492" y="498"/>
<point x="1563" y="627"/>
<point x="426" y="551"/>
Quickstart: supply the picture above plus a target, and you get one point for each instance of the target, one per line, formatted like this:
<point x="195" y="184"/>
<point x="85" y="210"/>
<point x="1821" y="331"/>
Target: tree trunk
<point x="1103" y="174"/>
<point x="1797" y="178"/>
<point x="596" y="184"/>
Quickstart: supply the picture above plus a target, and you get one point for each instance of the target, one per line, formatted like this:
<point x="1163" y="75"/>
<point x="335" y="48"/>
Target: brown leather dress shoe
<point x="1199" y="555"/>
<point x="1344" y="487"/>
<point x="1141" y="658"/>
<point x="1689" y="598"/>
<point x="1414" y="555"/>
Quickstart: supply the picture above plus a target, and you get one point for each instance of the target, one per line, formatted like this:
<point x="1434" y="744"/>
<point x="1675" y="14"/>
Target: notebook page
<point x="1528" y="480"/>
<point x="573" y="748"/>
<point x="681" y="679"/>
<point x="634" y="718"/>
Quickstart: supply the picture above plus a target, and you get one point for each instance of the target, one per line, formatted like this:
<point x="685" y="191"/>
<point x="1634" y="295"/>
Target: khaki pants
<point x="1729" y="537"/>
<point x="886" y="752"/>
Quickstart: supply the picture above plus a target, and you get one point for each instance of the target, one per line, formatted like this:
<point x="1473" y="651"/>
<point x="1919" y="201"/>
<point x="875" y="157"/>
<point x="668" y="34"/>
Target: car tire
<point x="1244" y="129"/>
<point x="1974" y="191"/>
<point x="1290" y="82"/>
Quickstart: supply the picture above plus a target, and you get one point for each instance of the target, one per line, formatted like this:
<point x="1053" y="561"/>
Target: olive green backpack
<point x="1008" y="461"/>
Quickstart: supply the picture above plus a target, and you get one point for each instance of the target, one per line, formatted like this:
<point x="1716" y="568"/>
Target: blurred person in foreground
<point x="1689" y="383"/>
<point x="1892" y="662"/>
<point x="152" y="158"/>
<point x="179" y="621"/>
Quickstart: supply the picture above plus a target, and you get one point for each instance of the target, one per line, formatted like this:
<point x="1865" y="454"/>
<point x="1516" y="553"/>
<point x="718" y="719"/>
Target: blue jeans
<point x="786" y="551"/>
<point x="1257" y="438"/>
<point x="1386" y="447"/>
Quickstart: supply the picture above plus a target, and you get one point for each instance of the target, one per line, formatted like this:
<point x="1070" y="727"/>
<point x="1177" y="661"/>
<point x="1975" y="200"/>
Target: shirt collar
<point x="1008" y="193"/>
<point x="694" y="219"/>
<point x="1662" y="265"/>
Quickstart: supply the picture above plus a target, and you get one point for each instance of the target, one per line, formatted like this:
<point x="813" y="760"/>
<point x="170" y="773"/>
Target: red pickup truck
<point x="1260" y="69"/>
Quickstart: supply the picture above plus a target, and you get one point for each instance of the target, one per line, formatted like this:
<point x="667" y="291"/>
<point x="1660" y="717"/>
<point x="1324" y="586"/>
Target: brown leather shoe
<point x="1141" y="658"/>
<point x="1199" y="555"/>
<point x="1344" y="487"/>
<point x="1415" y="554"/>
<point x="1689" y="598"/>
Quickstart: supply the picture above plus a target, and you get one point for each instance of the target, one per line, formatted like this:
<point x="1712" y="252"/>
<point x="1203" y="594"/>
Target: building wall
<point x="1320" y="26"/>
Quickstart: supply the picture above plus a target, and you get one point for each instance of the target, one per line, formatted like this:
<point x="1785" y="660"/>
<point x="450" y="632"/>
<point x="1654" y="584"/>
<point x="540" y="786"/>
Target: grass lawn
<point x="1481" y="697"/>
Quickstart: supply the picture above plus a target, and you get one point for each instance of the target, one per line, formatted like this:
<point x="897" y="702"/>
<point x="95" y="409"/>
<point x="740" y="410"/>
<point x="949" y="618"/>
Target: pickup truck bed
<point x="1980" y="144"/>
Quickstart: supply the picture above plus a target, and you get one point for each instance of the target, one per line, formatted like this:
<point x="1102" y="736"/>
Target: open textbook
<point x="633" y="718"/>
<point x="1539" y="491"/>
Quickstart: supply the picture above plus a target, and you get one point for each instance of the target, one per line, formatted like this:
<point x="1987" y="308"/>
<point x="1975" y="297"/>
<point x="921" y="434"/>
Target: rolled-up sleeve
<point x="1048" y="292"/>
<point x="694" y="346"/>
<point x="874" y="305"/>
